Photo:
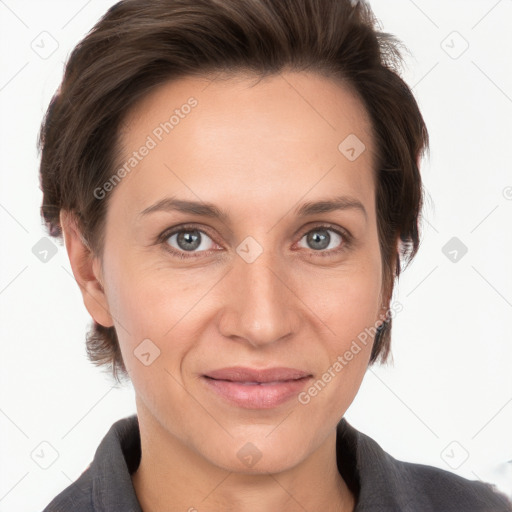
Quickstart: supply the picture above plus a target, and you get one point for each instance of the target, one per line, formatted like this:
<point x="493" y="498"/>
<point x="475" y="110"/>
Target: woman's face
<point x="257" y="277"/>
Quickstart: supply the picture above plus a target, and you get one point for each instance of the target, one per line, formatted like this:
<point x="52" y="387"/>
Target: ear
<point x="383" y="311"/>
<point x="86" y="269"/>
<point x="386" y="292"/>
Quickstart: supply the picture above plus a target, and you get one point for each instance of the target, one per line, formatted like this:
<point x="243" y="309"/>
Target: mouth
<point x="256" y="389"/>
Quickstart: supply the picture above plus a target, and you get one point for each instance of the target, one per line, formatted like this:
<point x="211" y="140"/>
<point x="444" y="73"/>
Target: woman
<point x="237" y="184"/>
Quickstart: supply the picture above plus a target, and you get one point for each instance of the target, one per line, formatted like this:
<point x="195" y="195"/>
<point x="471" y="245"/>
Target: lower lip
<point x="257" y="396"/>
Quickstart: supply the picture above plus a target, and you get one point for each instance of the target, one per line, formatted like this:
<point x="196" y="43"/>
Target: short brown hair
<point x="138" y="45"/>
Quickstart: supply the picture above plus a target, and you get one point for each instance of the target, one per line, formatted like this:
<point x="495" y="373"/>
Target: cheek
<point x="151" y="302"/>
<point x="348" y="316"/>
<point x="349" y="305"/>
<point x="348" y="300"/>
<point x="148" y="304"/>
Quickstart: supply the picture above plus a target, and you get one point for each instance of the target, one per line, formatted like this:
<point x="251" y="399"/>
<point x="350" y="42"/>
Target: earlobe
<point x="86" y="269"/>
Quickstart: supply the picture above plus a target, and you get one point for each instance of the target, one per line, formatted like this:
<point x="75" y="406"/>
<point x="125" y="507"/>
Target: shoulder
<point x="106" y="483"/>
<point x="447" y="491"/>
<point x="388" y="484"/>
<point x="76" y="497"/>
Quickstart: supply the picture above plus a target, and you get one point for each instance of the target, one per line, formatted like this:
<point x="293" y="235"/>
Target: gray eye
<point x="319" y="239"/>
<point x="189" y="240"/>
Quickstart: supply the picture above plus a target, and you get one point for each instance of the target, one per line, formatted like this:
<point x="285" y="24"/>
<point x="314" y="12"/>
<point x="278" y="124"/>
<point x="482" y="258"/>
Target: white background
<point x="448" y="395"/>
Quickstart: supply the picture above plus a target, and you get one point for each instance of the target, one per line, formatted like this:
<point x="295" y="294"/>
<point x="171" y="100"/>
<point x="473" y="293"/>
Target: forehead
<point x="210" y="136"/>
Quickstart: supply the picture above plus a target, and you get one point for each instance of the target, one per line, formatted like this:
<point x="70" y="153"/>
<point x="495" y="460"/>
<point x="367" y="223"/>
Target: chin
<point x="260" y="467"/>
<point x="254" y="455"/>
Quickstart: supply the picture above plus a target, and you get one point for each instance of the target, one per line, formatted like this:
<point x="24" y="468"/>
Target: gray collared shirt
<point x="380" y="482"/>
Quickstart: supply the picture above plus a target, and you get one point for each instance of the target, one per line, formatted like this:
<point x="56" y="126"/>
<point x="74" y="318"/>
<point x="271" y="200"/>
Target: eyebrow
<point x="210" y="210"/>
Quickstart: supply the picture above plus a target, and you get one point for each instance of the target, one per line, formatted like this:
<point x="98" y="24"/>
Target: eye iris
<point x="319" y="241"/>
<point x="189" y="240"/>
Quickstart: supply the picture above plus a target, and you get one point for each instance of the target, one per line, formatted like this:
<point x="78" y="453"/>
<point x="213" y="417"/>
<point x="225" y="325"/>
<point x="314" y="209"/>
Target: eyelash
<point x="163" y="237"/>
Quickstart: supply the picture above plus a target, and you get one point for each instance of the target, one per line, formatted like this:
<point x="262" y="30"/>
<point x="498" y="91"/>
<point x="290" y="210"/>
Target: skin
<point x="258" y="150"/>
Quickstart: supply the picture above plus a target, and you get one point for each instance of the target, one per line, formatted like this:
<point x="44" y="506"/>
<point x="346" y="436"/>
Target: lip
<point x="254" y="388"/>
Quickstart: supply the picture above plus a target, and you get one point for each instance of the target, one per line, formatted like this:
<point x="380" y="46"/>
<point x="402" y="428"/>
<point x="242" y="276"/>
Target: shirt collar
<point x="372" y="474"/>
<point x="369" y="472"/>
<point x="117" y="456"/>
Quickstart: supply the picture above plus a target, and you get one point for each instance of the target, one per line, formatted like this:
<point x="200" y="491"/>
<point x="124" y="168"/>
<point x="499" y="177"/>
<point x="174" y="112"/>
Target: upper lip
<point x="244" y="374"/>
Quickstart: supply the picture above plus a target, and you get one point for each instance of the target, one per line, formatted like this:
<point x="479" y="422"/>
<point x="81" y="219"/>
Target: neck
<point x="172" y="476"/>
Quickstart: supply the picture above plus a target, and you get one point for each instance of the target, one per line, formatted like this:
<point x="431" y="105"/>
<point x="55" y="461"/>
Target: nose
<point x="260" y="305"/>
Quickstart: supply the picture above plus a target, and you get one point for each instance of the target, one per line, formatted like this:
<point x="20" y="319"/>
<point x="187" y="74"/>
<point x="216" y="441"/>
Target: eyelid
<point x="327" y="225"/>
<point x="343" y="232"/>
<point x="166" y="234"/>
